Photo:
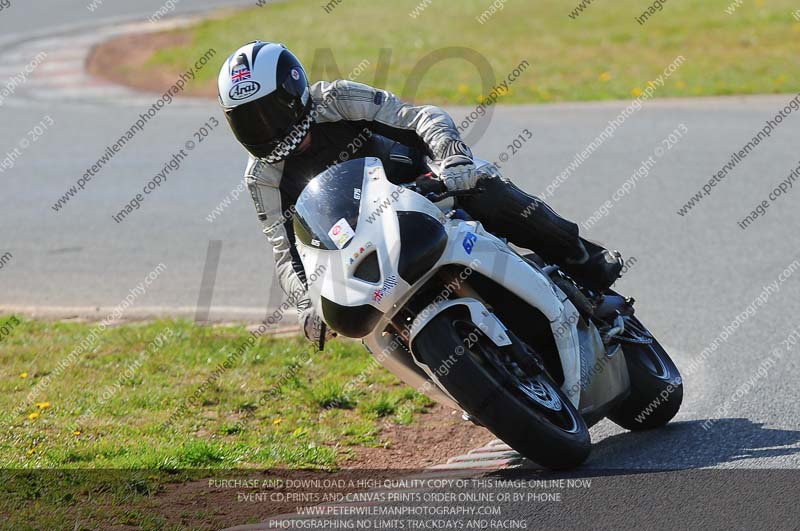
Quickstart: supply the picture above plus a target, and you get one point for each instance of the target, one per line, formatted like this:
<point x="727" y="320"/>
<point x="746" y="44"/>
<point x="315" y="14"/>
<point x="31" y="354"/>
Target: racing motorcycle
<point x="461" y="316"/>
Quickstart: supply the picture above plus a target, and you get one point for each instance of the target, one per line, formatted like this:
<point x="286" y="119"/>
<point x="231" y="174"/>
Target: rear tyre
<point x="524" y="408"/>
<point x="656" y="384"/>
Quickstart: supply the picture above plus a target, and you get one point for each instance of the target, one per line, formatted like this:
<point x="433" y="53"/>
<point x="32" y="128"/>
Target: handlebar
<point x="435" y="198"/>
<point x="434" y="190"/>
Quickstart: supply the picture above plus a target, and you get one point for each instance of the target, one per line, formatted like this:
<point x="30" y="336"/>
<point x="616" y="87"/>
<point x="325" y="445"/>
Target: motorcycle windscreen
<point x="327" y="211"/>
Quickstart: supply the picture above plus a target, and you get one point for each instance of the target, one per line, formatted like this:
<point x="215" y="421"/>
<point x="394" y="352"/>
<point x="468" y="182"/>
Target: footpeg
<point x="616" y="329"/>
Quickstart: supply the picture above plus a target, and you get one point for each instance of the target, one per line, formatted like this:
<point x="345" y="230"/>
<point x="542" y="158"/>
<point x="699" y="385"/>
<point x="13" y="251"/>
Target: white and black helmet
<point x="264" y="92"/>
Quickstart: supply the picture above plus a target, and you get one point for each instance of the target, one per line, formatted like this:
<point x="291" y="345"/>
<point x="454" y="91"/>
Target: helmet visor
<point x="266" y="120"/>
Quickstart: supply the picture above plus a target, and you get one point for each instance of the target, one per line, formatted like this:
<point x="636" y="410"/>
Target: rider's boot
<point x="529" y="222"/>
<point x="598" y="269"/>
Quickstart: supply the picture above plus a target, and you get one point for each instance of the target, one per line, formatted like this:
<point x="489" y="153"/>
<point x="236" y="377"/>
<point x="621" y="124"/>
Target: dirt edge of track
<point x="124" y="60"/>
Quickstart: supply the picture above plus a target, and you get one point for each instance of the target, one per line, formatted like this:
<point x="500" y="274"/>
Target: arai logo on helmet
<point x="295" y="74"/>
<point x="244" y="90"/>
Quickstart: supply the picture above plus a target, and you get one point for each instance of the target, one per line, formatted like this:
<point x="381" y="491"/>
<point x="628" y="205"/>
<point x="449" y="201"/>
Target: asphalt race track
<point x="692" y="275"/>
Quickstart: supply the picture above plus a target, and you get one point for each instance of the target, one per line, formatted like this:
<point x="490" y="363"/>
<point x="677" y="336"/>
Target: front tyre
<point x="524" y="408"/>
<point x="656" y="385"/>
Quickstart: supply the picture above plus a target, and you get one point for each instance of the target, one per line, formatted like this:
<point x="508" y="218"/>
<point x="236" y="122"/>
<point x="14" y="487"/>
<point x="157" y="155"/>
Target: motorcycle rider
<point x="293" y="131"/>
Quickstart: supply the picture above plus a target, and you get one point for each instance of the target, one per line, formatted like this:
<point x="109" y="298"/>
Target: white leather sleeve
<point x="263" y="181"/>
<point x="351" y="101"/>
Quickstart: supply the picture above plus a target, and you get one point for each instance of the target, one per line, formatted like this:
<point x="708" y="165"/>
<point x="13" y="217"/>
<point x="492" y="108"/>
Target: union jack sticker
<point x="240" y="73"/>
<point x="388" y="285"/>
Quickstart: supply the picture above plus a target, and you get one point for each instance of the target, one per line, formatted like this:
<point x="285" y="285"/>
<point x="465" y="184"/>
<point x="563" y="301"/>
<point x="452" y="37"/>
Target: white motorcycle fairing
<point x="368" y="276"/>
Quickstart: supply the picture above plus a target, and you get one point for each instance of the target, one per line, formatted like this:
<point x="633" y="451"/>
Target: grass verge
<point x="603" y="53"/>
<point x="171" y="395"/>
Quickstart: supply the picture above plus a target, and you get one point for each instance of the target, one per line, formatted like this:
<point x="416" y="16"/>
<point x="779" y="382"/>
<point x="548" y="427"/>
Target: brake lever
<point x="435" y="198"/>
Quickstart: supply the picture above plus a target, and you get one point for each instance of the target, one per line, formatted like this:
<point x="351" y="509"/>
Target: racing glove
<point x="458" y="169"/>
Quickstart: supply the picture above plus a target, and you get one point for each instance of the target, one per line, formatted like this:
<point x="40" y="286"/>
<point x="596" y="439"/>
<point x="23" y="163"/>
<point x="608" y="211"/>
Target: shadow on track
<point x="683" y="446"/>
<point x="689" y="445"/>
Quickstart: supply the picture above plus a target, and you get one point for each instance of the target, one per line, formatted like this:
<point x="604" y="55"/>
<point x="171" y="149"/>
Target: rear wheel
<point x="656" y="384"/>
<point x="523" y="407"/>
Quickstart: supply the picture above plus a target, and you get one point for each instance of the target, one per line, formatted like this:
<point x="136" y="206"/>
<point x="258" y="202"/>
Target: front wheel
<point x="656" y="385"/>
<point x="524" y="408"/>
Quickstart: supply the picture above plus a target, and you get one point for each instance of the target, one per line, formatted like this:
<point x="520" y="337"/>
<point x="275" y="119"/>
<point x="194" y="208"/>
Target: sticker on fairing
<point x="469" y="242"/>
<point x="341" y="233"/>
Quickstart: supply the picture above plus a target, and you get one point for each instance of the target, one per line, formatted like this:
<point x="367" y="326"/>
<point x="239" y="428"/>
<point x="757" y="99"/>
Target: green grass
<point x="94" y="450"/>
<point x="81" y="500"/>
<point x="382" y="405"/>
<point x="109" y="407"/>
<point x="602" y="54"/>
